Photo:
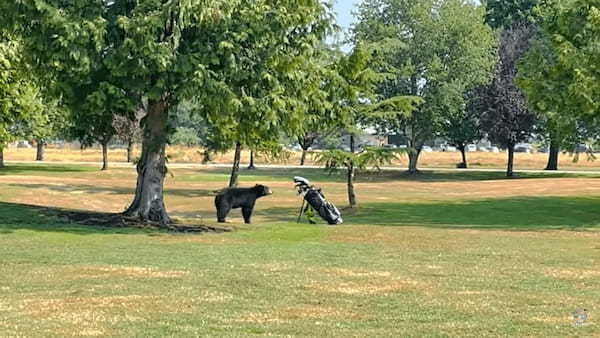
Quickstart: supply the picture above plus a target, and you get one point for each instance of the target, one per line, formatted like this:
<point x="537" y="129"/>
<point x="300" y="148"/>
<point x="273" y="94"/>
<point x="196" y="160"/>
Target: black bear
<point x="244" y="198"/>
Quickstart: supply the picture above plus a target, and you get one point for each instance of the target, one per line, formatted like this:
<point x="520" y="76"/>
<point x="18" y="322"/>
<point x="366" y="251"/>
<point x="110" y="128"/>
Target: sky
<point x="343" y="9"/>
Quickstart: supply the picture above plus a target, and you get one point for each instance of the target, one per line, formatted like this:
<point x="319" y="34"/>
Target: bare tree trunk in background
<point x="130" y="151"/>
<point x="235" y="170"/>
<point x="350" y="181"/>
<point x="1" y="156"/>
<point x="104" y="155"/>
<point x="511" y="159"/>
<point x="251" y="165"/>
<point x="350" y="176"/>
<point x="206" y="156"/>
<point x="553" y="155"/>
<point x="463" y="152"/>
<point x="303" y="157"/>
<point x="413" y="158"/>
<point x="148" y="204"/>
<point x="41" y="144"/>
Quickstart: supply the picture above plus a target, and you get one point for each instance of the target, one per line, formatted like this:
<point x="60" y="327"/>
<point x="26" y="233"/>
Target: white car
<point x="426" y="149"/>
<point x="494" y="150"/>
<point x="471" y="147"/>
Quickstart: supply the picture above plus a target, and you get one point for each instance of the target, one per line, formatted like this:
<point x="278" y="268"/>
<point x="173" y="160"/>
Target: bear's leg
<point x="222" y="211"/>
<point x="247" y="213"/>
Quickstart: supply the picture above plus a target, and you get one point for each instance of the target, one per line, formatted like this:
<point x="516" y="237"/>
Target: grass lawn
<point x="468" y="254"/>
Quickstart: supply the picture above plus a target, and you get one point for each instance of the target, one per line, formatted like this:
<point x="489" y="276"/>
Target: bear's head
<point x="262" y="190"/>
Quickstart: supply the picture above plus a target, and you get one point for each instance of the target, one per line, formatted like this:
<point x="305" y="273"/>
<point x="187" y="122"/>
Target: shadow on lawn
<point x="19" y="169"/>
<point x="519" y="213"/>
<point x="96" y="189"/>
<point x="83" y="222"/>
<point x="15" y="216"/>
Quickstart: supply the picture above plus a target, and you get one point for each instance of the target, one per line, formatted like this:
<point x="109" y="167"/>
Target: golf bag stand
<point x="316" y="200"/>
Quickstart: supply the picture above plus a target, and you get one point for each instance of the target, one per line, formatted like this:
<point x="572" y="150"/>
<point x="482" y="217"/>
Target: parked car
<point x="448" y="148"/>
<point x="483" y="149"/>
<point x="523" y="148"/>
<point x="24" y="144"/>
<point x="582" y="148"/>
<point x="494" y="149"/>
<point x="543" y="149"/>
<point x="471" y="147"/>
<point x="426" y="149"/>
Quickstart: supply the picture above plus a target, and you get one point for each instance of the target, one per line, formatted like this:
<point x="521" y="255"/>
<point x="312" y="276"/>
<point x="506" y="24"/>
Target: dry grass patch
<point x="181" y="154"/>
<point x="271" y="267"/>
<point x="126" y="271"/>
<point x="303" y="312"/>
<point x="88" y="311"/>
<point x="572" y="274"/>
<point x="261" y="318"/>
<point x="109" y="271"/>
<point x="366" y="288"/>
<point x="318" y="312"/>
<point x="357" y="273"/>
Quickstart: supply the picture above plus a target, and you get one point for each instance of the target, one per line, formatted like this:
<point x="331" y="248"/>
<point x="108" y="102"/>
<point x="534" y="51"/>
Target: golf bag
<point x="316" y="200"/>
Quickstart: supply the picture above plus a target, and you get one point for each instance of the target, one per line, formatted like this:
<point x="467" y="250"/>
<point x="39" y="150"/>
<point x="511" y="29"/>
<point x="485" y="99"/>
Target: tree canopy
<point x="246" y="62"/>
<point x="435" y="50"/>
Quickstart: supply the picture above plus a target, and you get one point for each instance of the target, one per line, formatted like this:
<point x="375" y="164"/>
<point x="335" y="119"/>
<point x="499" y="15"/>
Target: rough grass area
<point x="432" y="255"/>
<point x="181" y="154"/>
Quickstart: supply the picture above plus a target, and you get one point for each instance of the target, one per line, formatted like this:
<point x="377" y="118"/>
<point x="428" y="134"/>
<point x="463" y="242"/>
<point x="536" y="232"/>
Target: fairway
<point x="439" y="254"/>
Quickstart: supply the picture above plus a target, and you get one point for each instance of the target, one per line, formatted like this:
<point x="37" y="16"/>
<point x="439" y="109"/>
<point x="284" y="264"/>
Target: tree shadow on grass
<point x="515" y="214"/>
<point x="97" y="189"/>
<point x="14" y="216"/>
<point x="19" y="169"/>
<point x="22" y="216"/>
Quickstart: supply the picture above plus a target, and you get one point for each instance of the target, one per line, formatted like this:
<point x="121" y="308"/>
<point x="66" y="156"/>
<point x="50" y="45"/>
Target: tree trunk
<point x="39" y="156"/>
<point x="511" y="157"/>
<point x="413" y="158"/>
<point x="235" y="170"/>
<point x="206" y="156"/>
<point x="351" y="194"/>
<point x="251" y="165"/>
<point x="553" y="155"/>
<point x="1" y="156"/>
<point x="129" y="151"/>
<point x="352" y="144"/>
<point x="463" y="152"/>
<point x="148" y="204"/>
<point x="306" y="141"/>
<point x="104" y="155"/>
<point x="303" y="158"/>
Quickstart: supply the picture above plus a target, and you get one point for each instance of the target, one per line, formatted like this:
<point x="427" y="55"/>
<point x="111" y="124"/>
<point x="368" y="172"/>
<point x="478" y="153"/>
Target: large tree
<point x="573" y="29"/>
<point x="20" y="95"/>
<point x="505" y="114"/>
<point x="352" y="90"/>
<point x="428" y="48"/>
<point x="461" y="125"/>
<point x="505" y="13"/>
<point x="175" y="50"/>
